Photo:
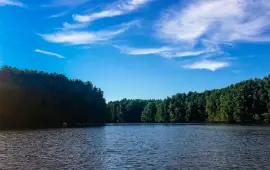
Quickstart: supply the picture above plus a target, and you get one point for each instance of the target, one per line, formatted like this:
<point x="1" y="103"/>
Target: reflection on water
<point x="137" y="147"/>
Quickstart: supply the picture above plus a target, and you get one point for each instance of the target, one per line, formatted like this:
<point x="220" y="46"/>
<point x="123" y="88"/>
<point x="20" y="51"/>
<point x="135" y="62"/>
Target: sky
<point x="147" y="49"/>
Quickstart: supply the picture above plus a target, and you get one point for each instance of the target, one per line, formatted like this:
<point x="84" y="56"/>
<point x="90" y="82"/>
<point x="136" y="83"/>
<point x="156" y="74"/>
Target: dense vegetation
<point x="244" y="102"/>
<point x="31" y="99"/>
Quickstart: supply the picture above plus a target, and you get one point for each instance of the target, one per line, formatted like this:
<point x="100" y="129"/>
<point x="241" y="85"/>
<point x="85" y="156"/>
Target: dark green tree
<point x="31" y="99"/>
<point x="161" y="111"/>
<point x="149" y="112"/>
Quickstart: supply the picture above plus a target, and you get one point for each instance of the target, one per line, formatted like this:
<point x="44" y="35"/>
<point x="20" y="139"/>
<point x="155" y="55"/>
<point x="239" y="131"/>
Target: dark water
<point x="138" y="147"/>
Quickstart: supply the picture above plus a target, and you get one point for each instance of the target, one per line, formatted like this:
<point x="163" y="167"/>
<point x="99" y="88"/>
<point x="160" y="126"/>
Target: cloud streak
<point x="65" y="3"/>
<point x="11" y="2"/>
<point x="69" y="26"/>
<point x="116" y="9"/>
<point x="143" y="51"/>
<point x="59" y="14"/>
<point x="86" y="37"/>
<point x="49" y="53"/>
<point x="81" y="37"/>
<point x="166" y="52"/>
<point x="178" y="53"/>
<point x="207" y="64"/>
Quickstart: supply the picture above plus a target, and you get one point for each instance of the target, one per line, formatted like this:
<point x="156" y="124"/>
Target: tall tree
<point x="161" y="111"/>
<point x="148" y="114"/>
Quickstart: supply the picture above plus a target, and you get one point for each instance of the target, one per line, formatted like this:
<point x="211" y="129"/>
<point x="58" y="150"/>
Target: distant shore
<point x="188" y="123"/>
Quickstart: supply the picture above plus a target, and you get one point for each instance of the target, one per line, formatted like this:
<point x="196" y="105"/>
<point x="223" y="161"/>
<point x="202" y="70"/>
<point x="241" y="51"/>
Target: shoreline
<point x="137" y="124"/>
<point x="195" y="123"/>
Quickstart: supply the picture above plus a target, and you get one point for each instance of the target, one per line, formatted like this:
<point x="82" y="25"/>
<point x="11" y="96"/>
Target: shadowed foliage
<point x="31" y="99"/>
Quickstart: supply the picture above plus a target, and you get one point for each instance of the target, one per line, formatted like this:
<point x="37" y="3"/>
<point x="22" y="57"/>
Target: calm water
<point x="138" y="147"/>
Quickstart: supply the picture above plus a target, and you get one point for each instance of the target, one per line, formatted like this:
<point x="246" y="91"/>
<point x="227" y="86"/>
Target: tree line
<point x="244" y="102"/>
<point x="31" y="99"/>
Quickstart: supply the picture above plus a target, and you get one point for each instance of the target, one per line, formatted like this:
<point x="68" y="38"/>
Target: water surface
<point x="138" y="147"/>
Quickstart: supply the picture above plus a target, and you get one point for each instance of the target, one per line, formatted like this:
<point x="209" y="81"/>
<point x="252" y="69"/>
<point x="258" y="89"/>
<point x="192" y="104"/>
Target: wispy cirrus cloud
<point x="80" y="37"/>
<point x="11" y="2"/>
<point x="65" y="3"/>
<point x="207" y="65"/>
<point x="68" y="26"/>
<point x="59" y="14"/>
<point x="81" y="25"/>
<point x="49" y="53"/>
<point x="85" y="37"/>
<point x="178" y="53"/>
<point x="217" y="20"/>
<point x="166" y="52"/>
<point x="121" y="7"/>
<point x="143" y="51"/>
<point x="214" y="23"/>
<point x="69" y="4"/>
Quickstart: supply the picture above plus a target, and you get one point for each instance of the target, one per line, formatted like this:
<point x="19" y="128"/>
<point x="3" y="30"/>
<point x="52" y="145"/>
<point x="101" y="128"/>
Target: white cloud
<point x="80" y="37"/>
<point x="59" y="14"/>
<point x="65" y="3"/>
<point x="166" y="52"/>
<point x="84" y="25"/>
<point x="98" y="15"/>
<point x="211" y="24"/>
<point x="49" y="53"/>
<point x="208" y="65"/>
<point x="217" y="20"/>
<point x="86" y="37"/>
<point x="74" y="37"/>
<point x="121" y="7"/>
<point x="143" y="51"/>
<point x="178" y="53"/>
<point x="11" y="2"/>
<point x="74" y="26"/>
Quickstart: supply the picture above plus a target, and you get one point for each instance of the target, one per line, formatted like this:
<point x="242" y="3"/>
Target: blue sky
<point x="139" y="48"/>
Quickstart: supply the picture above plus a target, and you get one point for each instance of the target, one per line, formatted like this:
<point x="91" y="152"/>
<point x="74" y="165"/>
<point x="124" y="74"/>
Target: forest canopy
<point x="32" y="99"/>
<point x="244" y="102"/>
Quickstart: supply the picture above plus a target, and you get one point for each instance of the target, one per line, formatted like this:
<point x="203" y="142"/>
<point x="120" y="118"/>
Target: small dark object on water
<point x="64" y="125"/>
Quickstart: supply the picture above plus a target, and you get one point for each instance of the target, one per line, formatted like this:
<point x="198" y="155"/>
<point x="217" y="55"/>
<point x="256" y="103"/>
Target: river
<point x="138" y="147"/>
